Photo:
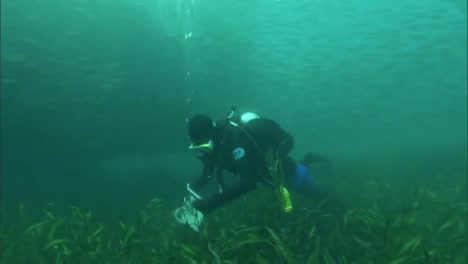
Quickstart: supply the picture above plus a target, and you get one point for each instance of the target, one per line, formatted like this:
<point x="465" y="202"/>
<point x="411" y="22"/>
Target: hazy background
<point x="95" y="94"/>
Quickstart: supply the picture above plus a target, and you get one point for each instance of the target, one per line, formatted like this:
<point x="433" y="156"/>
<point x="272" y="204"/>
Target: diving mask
<point x="201" y="150"/>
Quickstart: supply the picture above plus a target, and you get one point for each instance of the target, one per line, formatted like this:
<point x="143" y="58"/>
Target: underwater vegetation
<point x="429" y="228"/>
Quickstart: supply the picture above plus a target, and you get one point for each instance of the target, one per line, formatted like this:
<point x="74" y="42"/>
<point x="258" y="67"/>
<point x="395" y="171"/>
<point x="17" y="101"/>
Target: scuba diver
<point x="255" y="149"/>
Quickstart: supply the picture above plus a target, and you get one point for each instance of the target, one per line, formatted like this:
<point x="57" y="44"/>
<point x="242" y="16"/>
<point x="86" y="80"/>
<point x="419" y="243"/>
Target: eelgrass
<point x="427" y="229"/>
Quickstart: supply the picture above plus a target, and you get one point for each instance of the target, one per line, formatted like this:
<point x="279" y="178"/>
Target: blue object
<point x="303" y="180"/>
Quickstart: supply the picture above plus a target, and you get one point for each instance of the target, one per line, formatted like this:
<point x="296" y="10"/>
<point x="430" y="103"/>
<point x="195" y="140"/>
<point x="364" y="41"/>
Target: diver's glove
<point x="187" y="214"/>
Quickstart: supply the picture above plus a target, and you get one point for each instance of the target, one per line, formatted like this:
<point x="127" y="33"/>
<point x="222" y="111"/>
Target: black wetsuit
<point x="240" y="150"/>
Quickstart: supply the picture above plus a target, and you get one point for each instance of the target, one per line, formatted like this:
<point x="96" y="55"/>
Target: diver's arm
<point x="199" y="183"/>
<point x="247" y="183"/>
<point x="202" y="180"/>
<point x="219" y="199"/>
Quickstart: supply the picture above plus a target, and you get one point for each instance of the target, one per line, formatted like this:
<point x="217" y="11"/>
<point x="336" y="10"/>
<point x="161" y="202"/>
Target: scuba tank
<point x="242" y="119"/>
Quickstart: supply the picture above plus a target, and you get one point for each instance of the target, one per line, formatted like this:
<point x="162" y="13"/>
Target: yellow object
<point x="276" y="171"/>
<point x="202" y="150"/>
<point x="287" y="205"/>
<point x="208" y="146"/>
